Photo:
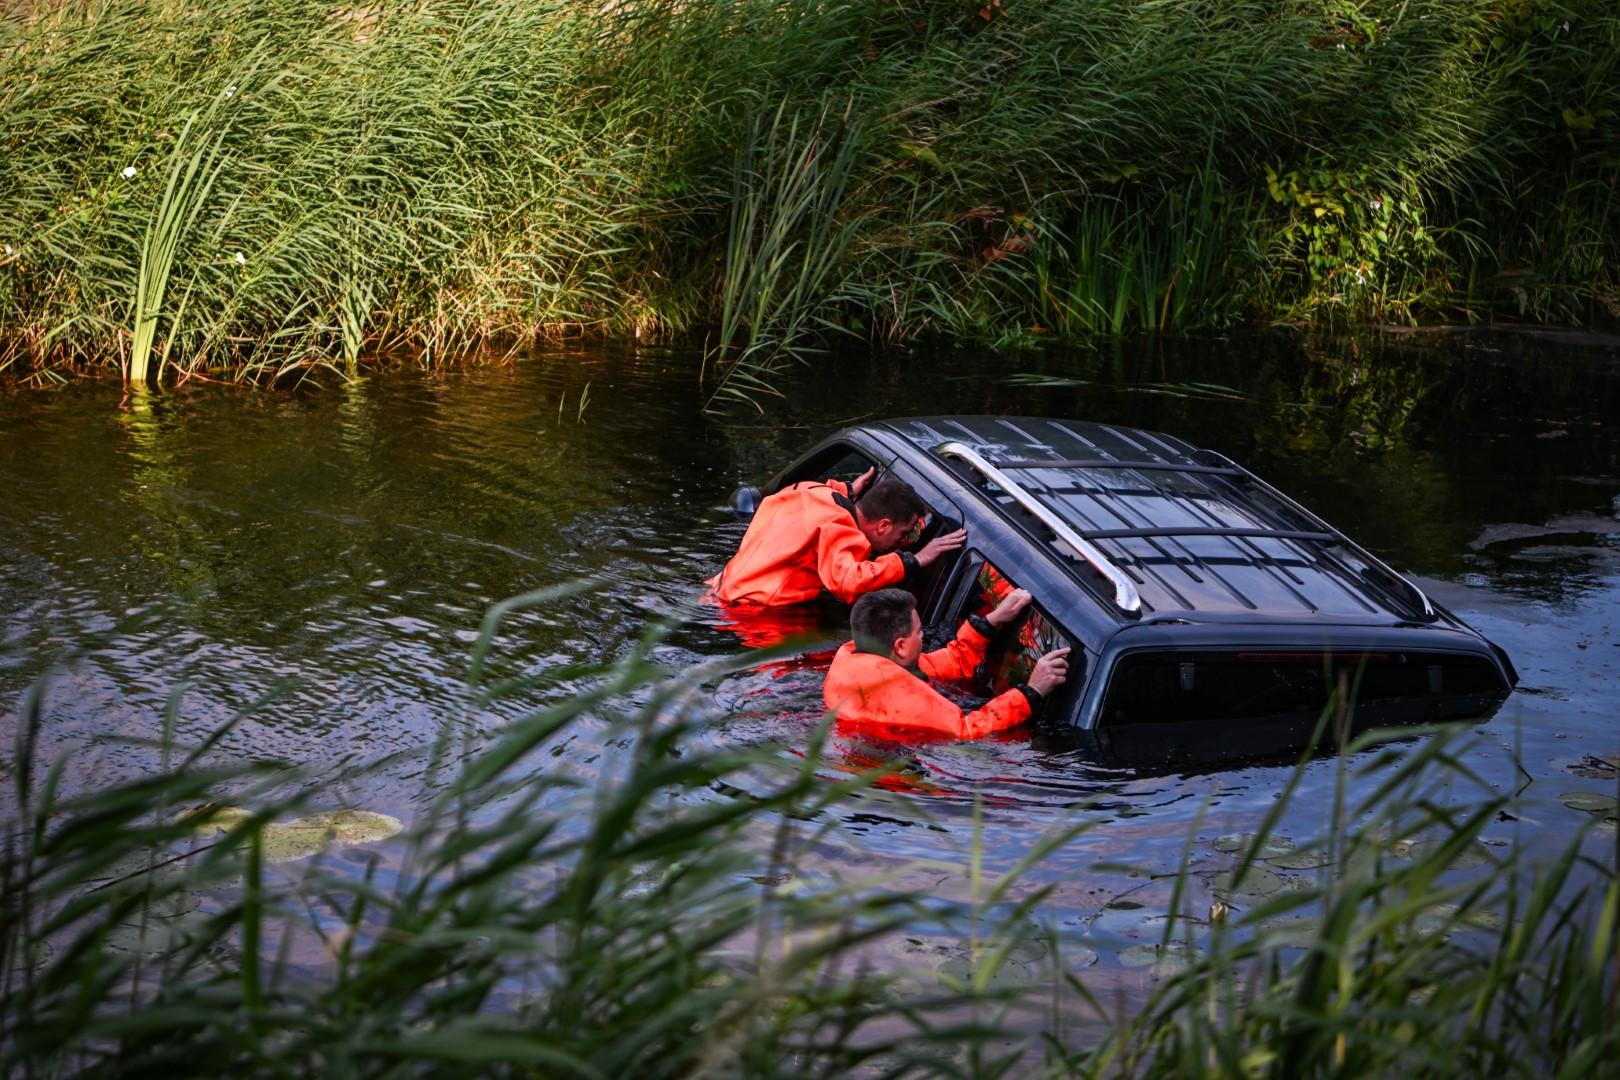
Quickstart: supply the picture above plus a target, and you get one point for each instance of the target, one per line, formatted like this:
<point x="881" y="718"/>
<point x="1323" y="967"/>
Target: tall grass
<point x="422" y="179"/>
<point x="784" y="243"/>
<point x="658" y="922"/>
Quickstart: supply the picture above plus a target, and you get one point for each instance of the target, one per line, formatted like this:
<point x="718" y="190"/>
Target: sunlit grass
<point x="424" y="180"/>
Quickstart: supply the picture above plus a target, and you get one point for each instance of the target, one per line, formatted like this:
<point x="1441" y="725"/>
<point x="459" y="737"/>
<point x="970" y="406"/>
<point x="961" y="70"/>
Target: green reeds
<point x="498" y="170"/>
<point x="194" y="167"/>
<point x="657" y="923"/>
<point x="783" y="247"/>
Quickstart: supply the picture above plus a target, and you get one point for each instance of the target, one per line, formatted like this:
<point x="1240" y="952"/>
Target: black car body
<point x="1207" y="613"/>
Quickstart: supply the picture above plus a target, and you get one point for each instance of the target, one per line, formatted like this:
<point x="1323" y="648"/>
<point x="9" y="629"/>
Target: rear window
<point x="1175" y="687"/>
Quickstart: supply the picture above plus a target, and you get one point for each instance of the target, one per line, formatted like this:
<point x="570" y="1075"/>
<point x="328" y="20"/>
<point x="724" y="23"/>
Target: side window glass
<point x="837" y="462"/>
<point x="1012" y="655"/>
<point x="931" y="585"/>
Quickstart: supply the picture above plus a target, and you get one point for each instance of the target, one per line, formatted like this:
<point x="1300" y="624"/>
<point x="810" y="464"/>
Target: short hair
<point x="893" y="499"/>
<point x="881" y="618"/>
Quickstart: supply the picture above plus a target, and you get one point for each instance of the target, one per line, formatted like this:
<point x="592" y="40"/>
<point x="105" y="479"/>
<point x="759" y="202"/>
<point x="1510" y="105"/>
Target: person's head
<point x="886" y="511"/>
<point x="886" y="623"/>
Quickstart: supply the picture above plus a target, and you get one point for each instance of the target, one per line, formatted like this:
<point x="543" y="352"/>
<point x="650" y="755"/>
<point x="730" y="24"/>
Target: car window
<point x="1013" y="653"/>
<point x="837" y="462"/>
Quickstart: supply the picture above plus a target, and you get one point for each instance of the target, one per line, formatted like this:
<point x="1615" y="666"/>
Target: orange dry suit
<point x="870" y="690"/>
<point x="802" y="540"/>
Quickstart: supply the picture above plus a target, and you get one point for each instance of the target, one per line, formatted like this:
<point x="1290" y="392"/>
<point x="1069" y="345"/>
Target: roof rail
<point x="1126" y="598"/>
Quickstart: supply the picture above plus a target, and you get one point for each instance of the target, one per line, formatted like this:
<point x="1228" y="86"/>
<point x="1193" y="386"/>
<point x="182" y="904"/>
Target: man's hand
<point x="859" y="485"/>
<point x="1050" y="672"/>
<point x="939" y="545"/>
<point x="1009" y="609"/>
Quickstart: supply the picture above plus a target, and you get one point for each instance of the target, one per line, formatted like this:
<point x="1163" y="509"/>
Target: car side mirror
<point x="744" y="501"/>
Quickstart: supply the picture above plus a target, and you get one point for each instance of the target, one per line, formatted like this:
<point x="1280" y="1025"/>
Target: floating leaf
<point x="158" y="936"/>
<point x="1299" y="860"/>
<point x="1291" y="932"/>
<point x="1597" y="766"/>
<point x="1590" y="801"/>
<point x="961" y="970"/>
<point x="1166" y="960"/>
<point x="1272" y="847"/>
<point x="1256" y="881"/>
<point x="1079" y="956"/>
<point x="308" y="836"/>
<point x="209" y="820"/>
<point x="1444" y="917"/>
<point x="1466" y="859"/>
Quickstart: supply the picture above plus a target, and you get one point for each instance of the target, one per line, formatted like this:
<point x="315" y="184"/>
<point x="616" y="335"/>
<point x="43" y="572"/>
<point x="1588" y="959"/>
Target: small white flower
<point x="9" y="251"/>
<point x="128" y="173"/>
<point x="230" y="91"/>
<point x="1566" y="28"/>
<point x="241" y="259"/>
<point x="1341" y="46"/>
<point x="1374" y="205"/>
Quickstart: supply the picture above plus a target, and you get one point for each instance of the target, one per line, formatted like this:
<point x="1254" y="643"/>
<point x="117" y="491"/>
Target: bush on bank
<point x="251" y="187"/>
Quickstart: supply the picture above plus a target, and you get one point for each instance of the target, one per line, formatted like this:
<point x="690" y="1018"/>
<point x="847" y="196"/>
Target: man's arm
<point x="958" y="659"/>
<point x="843" y="566"/>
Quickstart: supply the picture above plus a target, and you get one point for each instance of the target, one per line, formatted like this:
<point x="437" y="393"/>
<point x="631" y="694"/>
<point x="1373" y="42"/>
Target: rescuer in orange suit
<point x="813" y="537"/>
<point x="880" y="679"/>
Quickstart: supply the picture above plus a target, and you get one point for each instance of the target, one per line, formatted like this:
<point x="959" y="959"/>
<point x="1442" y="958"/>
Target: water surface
<point x="337" y="545"/>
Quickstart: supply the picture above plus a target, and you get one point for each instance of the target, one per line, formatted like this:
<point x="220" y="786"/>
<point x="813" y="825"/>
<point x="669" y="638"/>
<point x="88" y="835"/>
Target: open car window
<point x="1013" y="653"/>
<point x="930" y="583"/>
<point x="837" y="462"/>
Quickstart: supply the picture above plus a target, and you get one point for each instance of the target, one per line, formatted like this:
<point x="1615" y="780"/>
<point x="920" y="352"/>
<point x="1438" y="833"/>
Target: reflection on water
<point x="334" y="550"/>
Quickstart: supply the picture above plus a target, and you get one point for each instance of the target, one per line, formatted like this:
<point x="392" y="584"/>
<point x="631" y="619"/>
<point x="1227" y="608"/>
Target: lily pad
<point x="1466" y="859"/>
<point x="1590" y="801"/>
<point x="210" y="820"/>
<point x="1271" y="847"/>
<point x="159" y="936"/>
<point x="962" y="971"/>
<point x="1256" y="881"/>
<point x="311" y="835"/>
<point x="1300" y="860"/>
<point x="1442" y="917"/>
<point x="1076" y="957"/>
<point x="1165" y="960"/>
<point x="1291" y="932"/>
<point x="1597" y="766"/>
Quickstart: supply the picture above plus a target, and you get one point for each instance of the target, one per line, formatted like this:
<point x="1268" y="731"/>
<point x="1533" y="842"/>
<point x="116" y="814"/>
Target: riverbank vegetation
<point x="245" y="189"/>
<point x="663" y="923"/>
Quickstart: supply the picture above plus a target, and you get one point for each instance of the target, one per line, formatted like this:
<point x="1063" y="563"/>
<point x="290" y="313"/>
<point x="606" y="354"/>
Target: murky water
<point x="344" y="542"/>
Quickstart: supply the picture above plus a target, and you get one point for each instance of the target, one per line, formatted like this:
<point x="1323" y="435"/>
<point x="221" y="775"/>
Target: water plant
<point x="660" y="922"/>
<point x="424" y="182"/>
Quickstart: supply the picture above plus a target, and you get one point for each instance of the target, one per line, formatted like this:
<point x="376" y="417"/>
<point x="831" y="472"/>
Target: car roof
<point x="1174" y="531"/>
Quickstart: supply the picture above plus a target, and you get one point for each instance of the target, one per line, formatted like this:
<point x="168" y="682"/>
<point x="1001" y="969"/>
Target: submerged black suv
<point x="1209" y="614"/>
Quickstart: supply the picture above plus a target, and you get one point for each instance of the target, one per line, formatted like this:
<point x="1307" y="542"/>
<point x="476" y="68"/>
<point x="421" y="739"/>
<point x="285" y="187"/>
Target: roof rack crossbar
<point x="1126" y="598"/>
<point x="1110" y="463"/>
<point x="1380" y="571"/>
<point x="1138" y="566"/>
<point x="1198" y="530"/>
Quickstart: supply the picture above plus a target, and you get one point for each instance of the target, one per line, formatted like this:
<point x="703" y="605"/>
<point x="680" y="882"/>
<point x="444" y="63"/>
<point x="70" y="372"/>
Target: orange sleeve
<point x="919" y="705"/>
<point x="958" y="659"/>
<point x="842" y="563"/>
<point x="1007" y="709"/>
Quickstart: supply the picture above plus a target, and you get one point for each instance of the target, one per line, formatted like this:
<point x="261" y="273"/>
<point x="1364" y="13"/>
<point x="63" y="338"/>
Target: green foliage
<point x="659" y="924"/>
<point x="420" y="180"/>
